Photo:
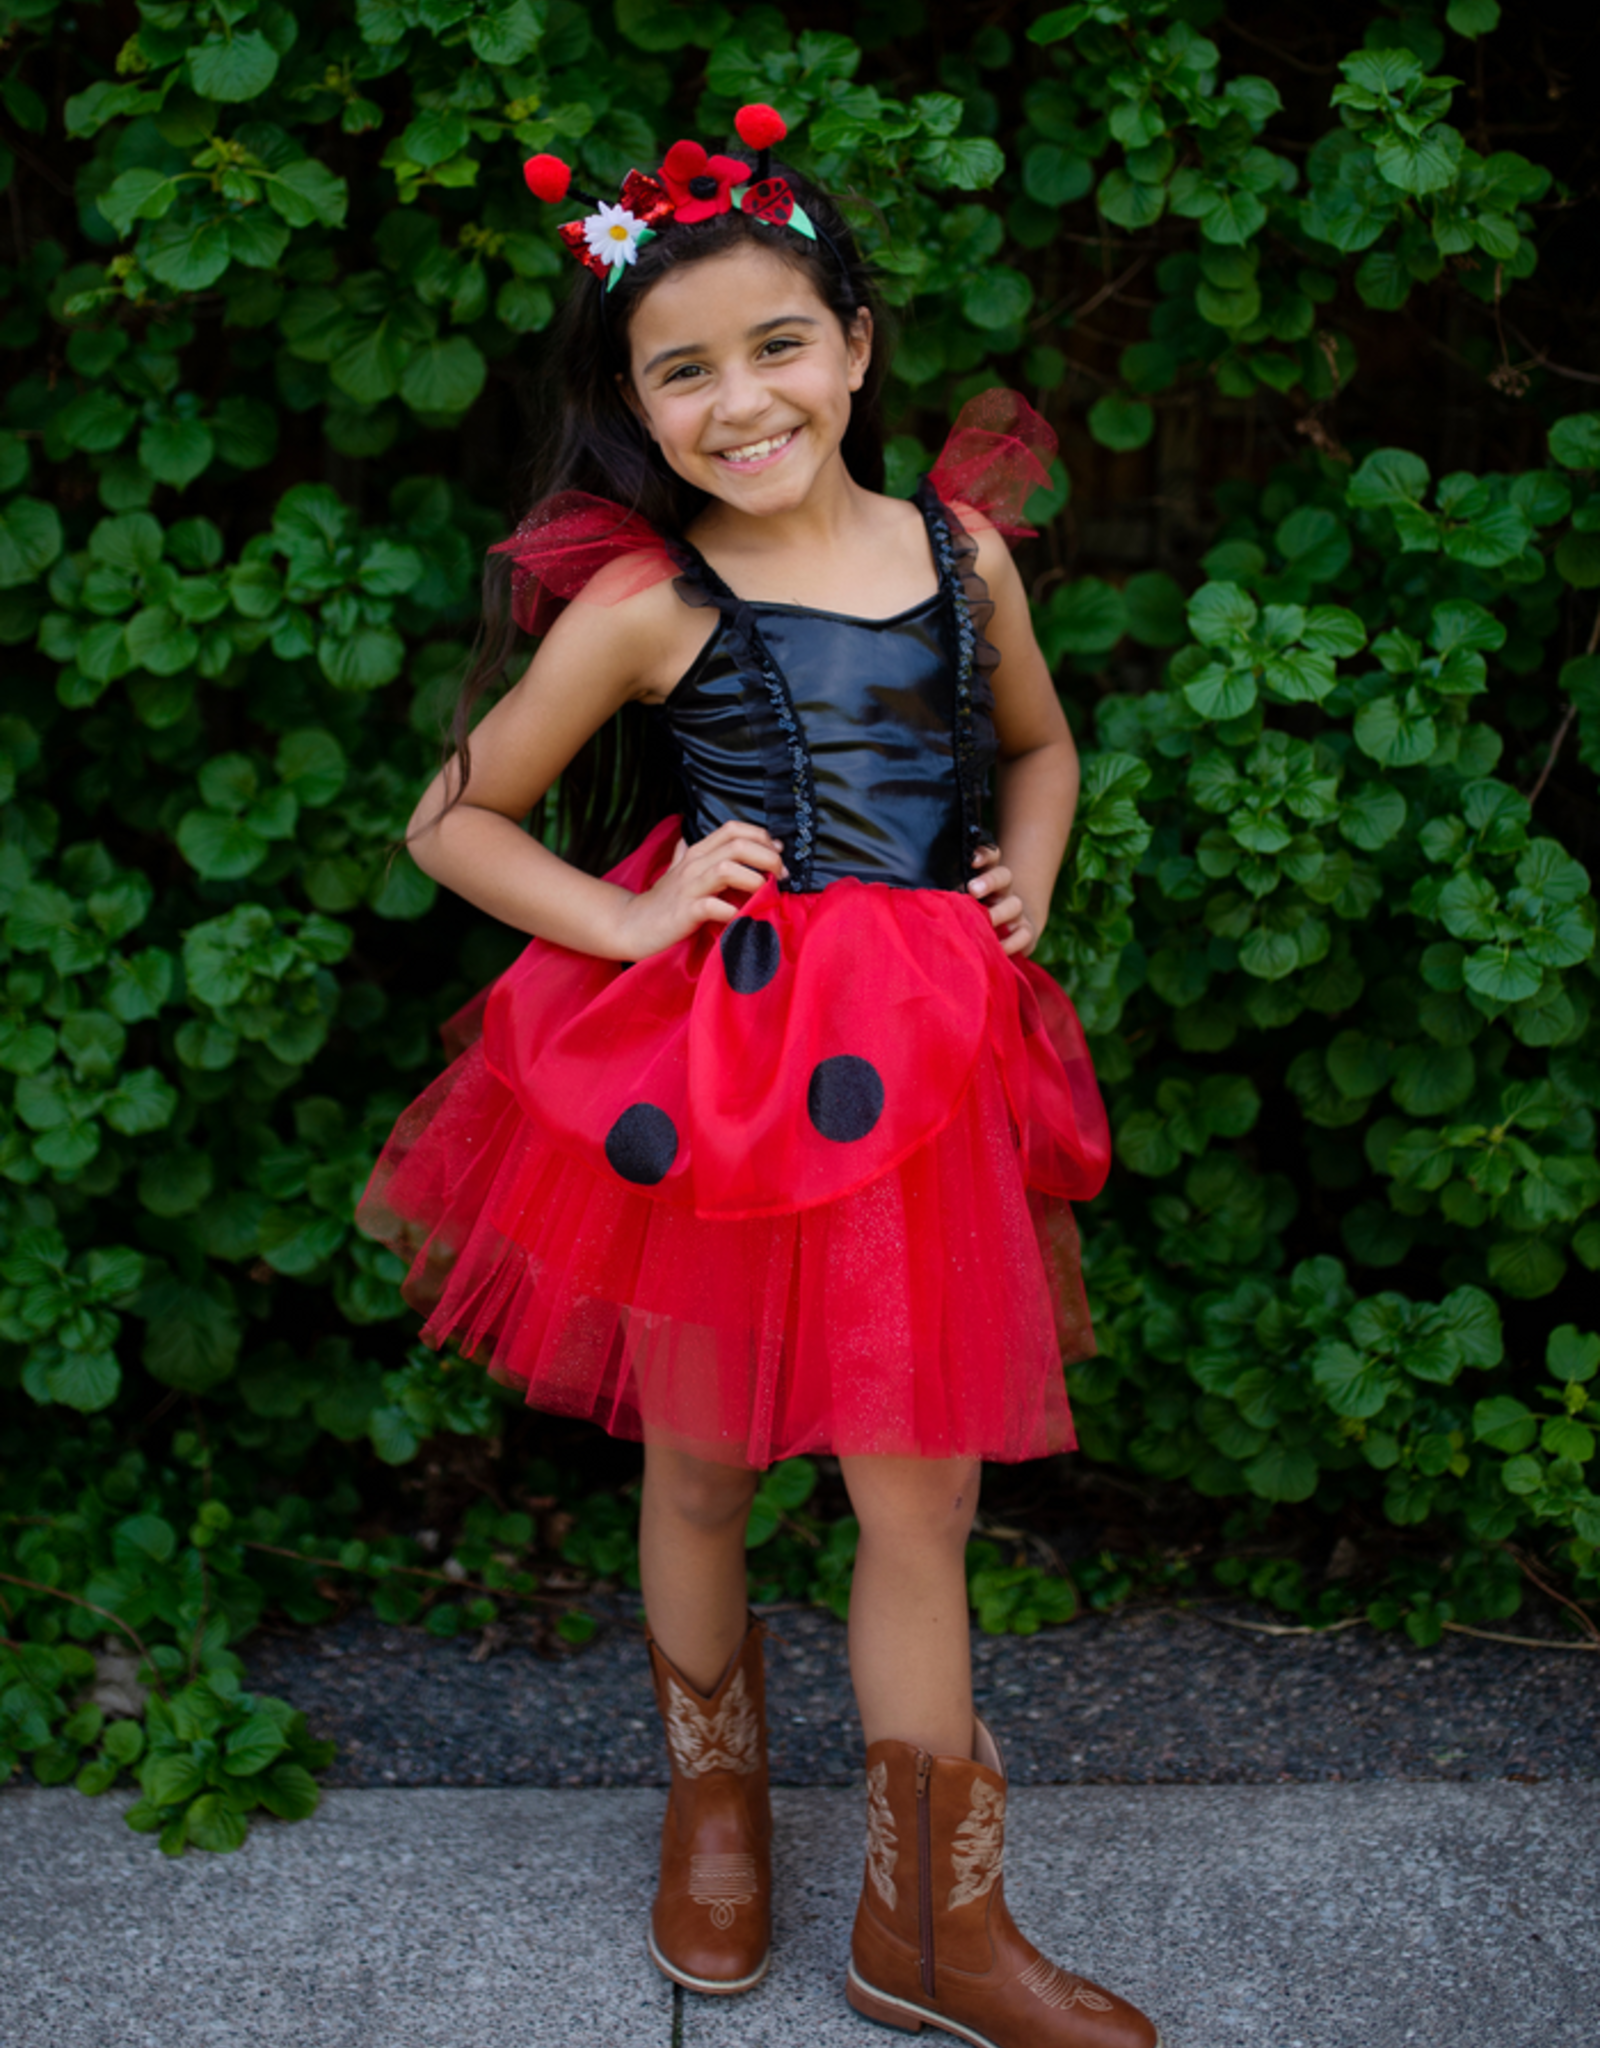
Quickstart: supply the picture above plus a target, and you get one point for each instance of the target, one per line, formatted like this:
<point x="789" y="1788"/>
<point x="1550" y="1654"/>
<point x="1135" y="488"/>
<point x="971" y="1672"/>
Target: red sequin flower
<point x="700" y="185"/>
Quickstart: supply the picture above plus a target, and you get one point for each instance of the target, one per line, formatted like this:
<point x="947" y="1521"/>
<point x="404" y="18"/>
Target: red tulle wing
<point x="998" y="454"/>
<point x="565" y="541"/>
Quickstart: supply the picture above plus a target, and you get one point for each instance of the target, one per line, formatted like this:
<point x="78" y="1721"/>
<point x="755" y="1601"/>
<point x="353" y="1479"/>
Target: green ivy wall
<point x="1319" y="579"/>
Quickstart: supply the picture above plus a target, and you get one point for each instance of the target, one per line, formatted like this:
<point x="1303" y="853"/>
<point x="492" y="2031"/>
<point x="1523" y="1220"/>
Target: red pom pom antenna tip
<point x="548" y="178"/>
<point x="760" y="126"/>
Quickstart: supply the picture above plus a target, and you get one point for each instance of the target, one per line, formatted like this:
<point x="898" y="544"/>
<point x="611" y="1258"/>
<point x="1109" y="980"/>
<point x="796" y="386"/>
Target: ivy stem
<point x="55" y="1593"/>
<point x="1584" y="1618"/>
<point x="1568" y="716"/>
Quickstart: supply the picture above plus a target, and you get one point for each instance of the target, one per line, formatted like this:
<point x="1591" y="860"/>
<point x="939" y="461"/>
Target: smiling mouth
<point x="757" y="451"/>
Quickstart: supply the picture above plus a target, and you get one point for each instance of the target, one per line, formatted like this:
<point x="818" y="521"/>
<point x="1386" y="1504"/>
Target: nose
<point x="741" y="395"/>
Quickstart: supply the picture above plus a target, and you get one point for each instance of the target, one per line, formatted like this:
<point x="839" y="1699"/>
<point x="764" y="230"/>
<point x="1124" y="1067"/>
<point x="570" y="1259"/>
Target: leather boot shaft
<point x="711" y="1927"/>
<point x="934" y="1943"/>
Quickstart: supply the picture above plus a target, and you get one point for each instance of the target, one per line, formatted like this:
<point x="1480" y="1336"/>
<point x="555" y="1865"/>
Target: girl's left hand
<point x="992" y="887"/>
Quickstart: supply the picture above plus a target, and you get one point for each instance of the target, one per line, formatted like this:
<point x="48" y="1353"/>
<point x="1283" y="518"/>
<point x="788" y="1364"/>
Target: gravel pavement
<point x="1137" y="1698"/>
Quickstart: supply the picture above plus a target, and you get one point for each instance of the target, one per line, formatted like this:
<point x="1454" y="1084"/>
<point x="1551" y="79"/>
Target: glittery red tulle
<point x="567" y="540"/>
<point x="882" y="1263"/>
<point x="998" y="454"/>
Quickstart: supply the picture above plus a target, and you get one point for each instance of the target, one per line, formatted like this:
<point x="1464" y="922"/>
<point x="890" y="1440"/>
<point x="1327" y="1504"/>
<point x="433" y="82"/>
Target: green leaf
<point x="1563" y="1436"/>
<point x="1373" y="816"/>
<point x="192" y="1341"/>
<point x="1396" y="731"/>
<point x="189" y="257"/>
<point x="216" y="1824"/>
<point x="142" y="1101"/>
<point x="997" y="296"/>
<point x="1282" y="1473"/>
<point x="435" y="135"/>
<point x="1418" y="163"/>
<point x="1473" y="17"/>
<point x="443" y="376"/>
<point x="1473" y="1320"/>
<point x="170" y="1780"/>
<point x="402" y="890"/>
<point x="290" y="1792"/>
<point x="85" y="1380"/>
<point x="1430" y="1079"/>
<point x="1577" y="560"/>
<point x="1085" y="617"/>
<point x="1220" y="612"/>
<point x="1128" y="202"/>
<point x="1119" y="422"/>
<point x="1503" y="973"/>
<point x="1572" y="1357"/>
<point x="253" y="1745"/>
<point x="509" y="32"/>
<point x="1503" y="1424"/>
<point x="218" y="847"/>
<point x="1268" y="955"/>
<point x="1055" y="176"/>
<point x="234" y="66"/>
<point x="1145" y="1144"/>
<point x="1155" y="609"/>
<point x="1526" y="1267"/>
<point x="245" y="431"/>
<point x="1389" y="476"/>
<point x="306" y="194"/>
<point x="30" y="540"/>
<point x="1575" y="441"/>
<point x="176" y="451"/>
<point x="362" y="660"/>
<point x="312" y="764"/>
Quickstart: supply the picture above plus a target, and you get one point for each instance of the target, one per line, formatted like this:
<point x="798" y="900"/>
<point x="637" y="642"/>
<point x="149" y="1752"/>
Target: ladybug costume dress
<point x="801" y="1181"/>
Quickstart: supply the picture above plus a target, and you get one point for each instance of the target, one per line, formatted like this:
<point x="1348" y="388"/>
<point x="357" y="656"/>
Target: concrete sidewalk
<point x="1296" y="1916"/>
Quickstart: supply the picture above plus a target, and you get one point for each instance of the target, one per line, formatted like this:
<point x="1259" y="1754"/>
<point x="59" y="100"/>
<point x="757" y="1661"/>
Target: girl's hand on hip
<point x="736" y="857"/>
<point x="1007" y="913"/>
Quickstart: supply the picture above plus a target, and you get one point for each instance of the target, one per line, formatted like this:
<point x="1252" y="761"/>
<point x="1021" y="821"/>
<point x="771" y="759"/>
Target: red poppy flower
<point x="700" y="185"/>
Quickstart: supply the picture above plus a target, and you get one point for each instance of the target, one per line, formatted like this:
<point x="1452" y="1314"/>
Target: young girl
<point x="768" y="1141"/>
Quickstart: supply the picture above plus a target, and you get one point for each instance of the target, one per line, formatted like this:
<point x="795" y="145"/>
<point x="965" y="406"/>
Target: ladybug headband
<point x="690" y="186"/>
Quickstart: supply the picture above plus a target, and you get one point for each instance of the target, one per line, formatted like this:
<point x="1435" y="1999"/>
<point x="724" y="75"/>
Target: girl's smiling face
<point x="742" y="375"/>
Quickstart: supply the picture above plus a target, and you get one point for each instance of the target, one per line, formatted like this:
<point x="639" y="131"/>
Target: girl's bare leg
<point x="910" y="1655"/>
<point x="692" y="1561"/>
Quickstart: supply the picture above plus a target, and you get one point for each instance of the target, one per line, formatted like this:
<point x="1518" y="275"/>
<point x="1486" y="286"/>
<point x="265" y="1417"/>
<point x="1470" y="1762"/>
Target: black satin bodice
<point x="863" y="744"/>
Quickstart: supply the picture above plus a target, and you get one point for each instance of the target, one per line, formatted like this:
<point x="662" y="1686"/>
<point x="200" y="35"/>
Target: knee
<point x="707" y="1496"/>
<point x="915" y="1507"/>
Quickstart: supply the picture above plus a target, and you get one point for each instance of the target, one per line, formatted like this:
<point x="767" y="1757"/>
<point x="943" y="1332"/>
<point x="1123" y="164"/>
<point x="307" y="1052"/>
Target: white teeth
<point x="756" y="449"/>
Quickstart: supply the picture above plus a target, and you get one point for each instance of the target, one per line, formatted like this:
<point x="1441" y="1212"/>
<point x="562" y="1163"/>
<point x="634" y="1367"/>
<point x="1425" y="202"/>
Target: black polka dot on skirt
<point x="751" y="955"/>
<point x="845" y="1097"/>
<point x="642" y="1144"/>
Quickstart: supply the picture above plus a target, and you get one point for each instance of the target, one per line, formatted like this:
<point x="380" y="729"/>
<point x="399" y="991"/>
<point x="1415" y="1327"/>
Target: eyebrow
<point x="699" y="348"/>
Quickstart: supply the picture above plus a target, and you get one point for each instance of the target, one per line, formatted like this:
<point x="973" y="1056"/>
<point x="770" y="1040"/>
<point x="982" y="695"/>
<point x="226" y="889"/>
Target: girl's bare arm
<point x="1036" y="779"/>
<point x="595" y="659"/>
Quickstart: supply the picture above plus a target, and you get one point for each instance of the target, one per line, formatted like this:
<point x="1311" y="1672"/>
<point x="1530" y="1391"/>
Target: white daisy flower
<point x="613" y="234"/>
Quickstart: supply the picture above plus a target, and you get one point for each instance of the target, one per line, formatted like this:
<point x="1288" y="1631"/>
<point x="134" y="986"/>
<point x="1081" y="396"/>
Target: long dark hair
<point x="622" y="782"/>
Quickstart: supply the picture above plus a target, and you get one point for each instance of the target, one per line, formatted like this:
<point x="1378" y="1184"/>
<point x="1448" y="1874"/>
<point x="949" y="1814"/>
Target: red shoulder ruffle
<point x="998" y="454"/>
<point x="565" y="542"/>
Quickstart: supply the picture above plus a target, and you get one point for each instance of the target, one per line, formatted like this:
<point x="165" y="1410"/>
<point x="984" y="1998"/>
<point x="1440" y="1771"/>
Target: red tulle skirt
<point x="798" y="1183"/>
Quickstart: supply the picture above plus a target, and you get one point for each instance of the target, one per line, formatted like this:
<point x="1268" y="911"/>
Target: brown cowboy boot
<point x="711" y="1928"/>
<point x="934" y="1944"/>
